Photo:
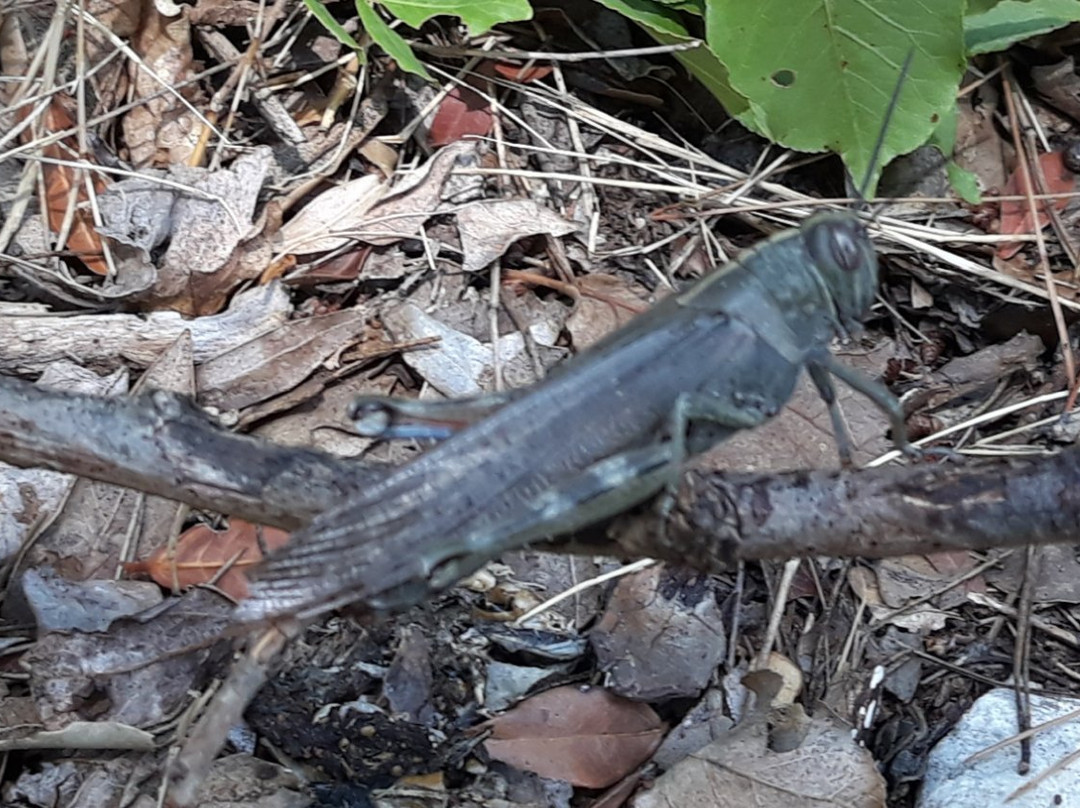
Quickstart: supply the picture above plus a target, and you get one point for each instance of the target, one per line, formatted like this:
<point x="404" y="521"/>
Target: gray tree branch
<point x="161" y="444"/>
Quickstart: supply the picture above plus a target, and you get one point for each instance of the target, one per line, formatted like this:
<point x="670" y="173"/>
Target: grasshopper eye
<point x="846" y="251"/>
<point x="838" y="241"/>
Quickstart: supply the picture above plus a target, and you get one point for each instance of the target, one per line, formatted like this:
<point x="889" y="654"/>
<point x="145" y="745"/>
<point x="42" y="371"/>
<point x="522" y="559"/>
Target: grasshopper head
<point x="846" y="263"/>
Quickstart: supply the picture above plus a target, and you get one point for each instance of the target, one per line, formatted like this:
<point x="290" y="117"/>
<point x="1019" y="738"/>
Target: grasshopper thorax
<point x="846" y="264"/>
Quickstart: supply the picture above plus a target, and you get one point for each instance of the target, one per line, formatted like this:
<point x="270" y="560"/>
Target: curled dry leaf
<point x="589" y="738"/>
<point x="201" y="552"/>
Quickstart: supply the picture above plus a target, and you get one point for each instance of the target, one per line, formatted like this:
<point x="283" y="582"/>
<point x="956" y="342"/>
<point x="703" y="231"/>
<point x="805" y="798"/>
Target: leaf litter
<point x="168" y="242"/>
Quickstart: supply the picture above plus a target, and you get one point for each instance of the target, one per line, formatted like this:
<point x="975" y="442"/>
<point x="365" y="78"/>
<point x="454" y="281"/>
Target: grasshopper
<point x="605" y="431"/>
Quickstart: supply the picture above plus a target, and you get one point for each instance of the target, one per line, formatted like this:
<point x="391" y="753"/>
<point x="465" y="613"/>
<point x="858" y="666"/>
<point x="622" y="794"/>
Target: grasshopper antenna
<point x="875" y="155"/>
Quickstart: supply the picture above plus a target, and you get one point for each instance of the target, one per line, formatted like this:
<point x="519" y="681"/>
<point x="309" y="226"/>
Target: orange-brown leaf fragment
<point x="463" y="112"/>
<point x="524" y="74"/>
<point x="201" y="552"/>
<point x="589" y="738"/>
<point x="82" y="239"/>
<point x="1016" y="214"/>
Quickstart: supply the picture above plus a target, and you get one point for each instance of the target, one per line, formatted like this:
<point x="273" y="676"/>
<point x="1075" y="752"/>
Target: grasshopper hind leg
<point x="601" y="490"/>
<point x="716" y="411"/>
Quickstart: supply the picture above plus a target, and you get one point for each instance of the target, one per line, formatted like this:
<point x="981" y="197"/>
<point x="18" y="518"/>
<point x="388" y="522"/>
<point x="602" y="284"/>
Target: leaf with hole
<point x="820" y="75"/>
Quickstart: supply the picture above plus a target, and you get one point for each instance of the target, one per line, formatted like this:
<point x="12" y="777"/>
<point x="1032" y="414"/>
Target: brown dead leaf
<point x="163" y="131"/>
<point x="413" y="201"/>
<point x="461" y="113"/>
<point x="827" y="769"/>
<point x="589" y="738"/>
<point x="341" y="209"/>
<point x="82" y="239"/>
<point x="661" y="635"/>
<point x="521" y="73"/>
<point x="864" y="583"/>
<point x="913" y="577"/>
<point x="277" y="361"/>
<point x="1016" y="215"/>
<point x="221" y="13"/>
<point x="606" y="303"/>
<point x="201" y="552"/>
<point x="1055" y="574"/>
<point x="244" y="781"/>
<point x="139" y="672"/>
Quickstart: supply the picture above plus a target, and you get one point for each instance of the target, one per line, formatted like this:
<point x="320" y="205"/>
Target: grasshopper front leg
<point x="593" y="494"/>
<point x="820" y="365"/>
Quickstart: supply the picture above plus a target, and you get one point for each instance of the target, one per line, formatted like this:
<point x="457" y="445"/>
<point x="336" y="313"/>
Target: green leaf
<point x="323" y="15"/>
<point x="818" y="74"/>
<point x="478" y="15"/>
<point x="388" y="39"/>
<point x="667" y="29"/>
<point x="964" y="182"/>
<point x="1010" y="21"/>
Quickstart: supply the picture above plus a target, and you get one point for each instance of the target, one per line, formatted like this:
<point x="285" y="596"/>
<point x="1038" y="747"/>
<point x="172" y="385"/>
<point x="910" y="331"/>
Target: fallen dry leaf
<point x="588" y="737"/>
<point x="522" y="73"/>
<point x="461" y="113"/>
<point x="82" y="240"/>
<point x="826" y="769"/>
<point x="163" y="130"/>
<point x="278" y="360"/>
<point x="417" y="197"/>
<point x="606" y="303"/>
<point x="1016" y="215"/>
<point x="341" y="209"/>
<point x="864" y="583"/>
<point x="201" y="552"/>
<point x="661" y="635"/>
<point x="139" y="672"/>
<point x="488" y="228"/>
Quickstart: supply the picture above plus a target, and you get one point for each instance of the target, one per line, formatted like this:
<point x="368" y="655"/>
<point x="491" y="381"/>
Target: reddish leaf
<point x="1016" y="215"/>
<point x="589" y="738"/>
<point x="201" y="552"/>
<point x="463" y="112"/>
<point x="521" y="73"/>
<point x="82" y="239"/>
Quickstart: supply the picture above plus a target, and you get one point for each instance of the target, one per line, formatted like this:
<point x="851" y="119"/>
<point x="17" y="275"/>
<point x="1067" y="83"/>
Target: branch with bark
<point x="161" y="444"/>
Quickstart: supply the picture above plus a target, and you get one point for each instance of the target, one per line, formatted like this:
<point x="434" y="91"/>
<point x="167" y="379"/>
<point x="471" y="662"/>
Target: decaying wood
<point x="29" y="343"/>
<point x="161" y="444"/>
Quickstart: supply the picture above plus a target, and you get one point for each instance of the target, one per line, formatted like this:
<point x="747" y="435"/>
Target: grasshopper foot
<point x="925" y="453"/>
